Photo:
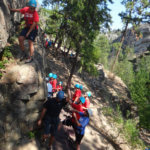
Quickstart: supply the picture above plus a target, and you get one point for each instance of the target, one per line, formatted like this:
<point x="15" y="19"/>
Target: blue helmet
<point x="88" y="93"/>
<point x="61" y="82"/>
<point x="82" y="99"/>
<point x="60" y="95"/>
<point x="81" y="87"/>
<point x="50" y="75"/>
<point x="32" y="3"/>
<point x="77" y="86"/>
<point x="54" y="76"/>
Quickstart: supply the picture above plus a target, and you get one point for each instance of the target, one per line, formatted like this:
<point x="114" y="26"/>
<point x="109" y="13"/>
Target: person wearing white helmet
<point x="49" y="88"/>
<point x="30" y="30"/>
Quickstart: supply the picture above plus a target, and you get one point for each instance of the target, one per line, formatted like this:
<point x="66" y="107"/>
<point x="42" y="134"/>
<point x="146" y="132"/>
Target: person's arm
<point x="14" y="10"/>
<point x="42" y="116"/>
<point x="76" y="120"/>
<point x="31" y="28"/>
<point x="76" y="99"/>
<point x="68" y="100"/>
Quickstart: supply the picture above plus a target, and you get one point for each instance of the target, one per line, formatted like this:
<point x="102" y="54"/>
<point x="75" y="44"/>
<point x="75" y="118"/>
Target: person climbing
<point x="49" y="88"/>
<point x="87" y="100"/>
<point x="51" y="78"/>
<point x="54" y="83"/>
<point x="50" y="43"/>
<point x="59" y="86"/>
<point x="77" y="93"/>
<point x="80" y="125"/>
<point x="46" y="43"/>
<point x="71" y="120"/>
<point x="50" y="116"/>
<point x="30" y="31"/>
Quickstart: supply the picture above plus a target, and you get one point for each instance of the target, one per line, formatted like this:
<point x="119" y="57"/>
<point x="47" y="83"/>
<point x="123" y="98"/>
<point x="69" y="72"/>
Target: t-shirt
<point x="49" y="89"/>
<point x="54" y="107"/>
<point x="59" y="87"/>
<point x="77" y="107"/>
<point x="84" y="120"/>
<point x="76" y="94"/>
<point x="87" y="103"/>
<point x="29" y="16"/>
<point x="54" y="83"/>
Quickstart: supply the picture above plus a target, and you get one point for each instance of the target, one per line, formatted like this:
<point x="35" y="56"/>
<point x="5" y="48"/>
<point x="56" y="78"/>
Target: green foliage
<point x="102" y="49"/>
<point x="31" y="134"/>
<point x="7" y="52"/>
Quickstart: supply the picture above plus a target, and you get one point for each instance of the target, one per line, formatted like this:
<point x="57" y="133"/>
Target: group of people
<point x="80" y="111"/>
<point x="52" y="107"/>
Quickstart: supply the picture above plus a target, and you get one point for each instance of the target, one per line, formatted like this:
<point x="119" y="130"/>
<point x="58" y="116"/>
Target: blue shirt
<point x="49" y="88"/>
<point x="84" y="120"/>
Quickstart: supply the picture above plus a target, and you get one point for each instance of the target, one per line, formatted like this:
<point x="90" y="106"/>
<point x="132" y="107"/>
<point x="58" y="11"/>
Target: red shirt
<point x="29" y="16"/>
<point x="76" y="94"/>
<point x="59" y="87"/>
<point x="77" y="107"/>
<point x="54" y="83"/>
<point x="87" y="103"/>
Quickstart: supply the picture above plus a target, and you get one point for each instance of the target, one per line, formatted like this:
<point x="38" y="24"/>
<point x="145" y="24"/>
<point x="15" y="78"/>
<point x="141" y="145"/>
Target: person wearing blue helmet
<point x="77" y="93"/>
<point x="59" y="86"/>
<point x="86" y="105"/>
<point x="50" y="116"/>
<point x="30" y="30"/>
<point x="81" y="87"/>
<point x="54" y="83"/>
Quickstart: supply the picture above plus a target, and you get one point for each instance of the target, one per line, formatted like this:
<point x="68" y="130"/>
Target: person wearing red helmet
<point x="30" y="30"/>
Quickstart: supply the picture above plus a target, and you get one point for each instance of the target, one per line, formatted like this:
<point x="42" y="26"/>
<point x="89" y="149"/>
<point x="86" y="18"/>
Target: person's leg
<point x="31" y="48"/>
<point x="21" y="42"/>
<point x="51" y="140"/>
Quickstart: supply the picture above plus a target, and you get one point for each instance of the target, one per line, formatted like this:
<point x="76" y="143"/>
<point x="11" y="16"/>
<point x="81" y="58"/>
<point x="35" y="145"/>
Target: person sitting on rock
<point x="77" y="93"/>
<point x="59" y="87"/>
<point x="30" y="31"/>
<point x="86" y="105"/>
<point x="49" y="88"/>
<point x="50" y="116"/>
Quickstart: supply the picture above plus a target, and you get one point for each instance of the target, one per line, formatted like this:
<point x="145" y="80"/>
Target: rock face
<point x="8" y="19"/>
<point x="139" y="44"/>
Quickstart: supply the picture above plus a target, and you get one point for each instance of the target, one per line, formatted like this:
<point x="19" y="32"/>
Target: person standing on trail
<point x="80" y="125"/>
<point x="87" y="101"/>
<point x="77" y="93"/>
<point x="54" y="83"/>
<point x="59" y="86"/>
<point x="49" y="88"/>
<point x="30" y="31"/>
<point x="50" y="116"/>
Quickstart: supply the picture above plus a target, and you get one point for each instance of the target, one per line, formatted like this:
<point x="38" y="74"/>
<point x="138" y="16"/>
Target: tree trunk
<point x="68" y="50"/>
<point x="122" y="39"/>
<point x="72" y="71"/>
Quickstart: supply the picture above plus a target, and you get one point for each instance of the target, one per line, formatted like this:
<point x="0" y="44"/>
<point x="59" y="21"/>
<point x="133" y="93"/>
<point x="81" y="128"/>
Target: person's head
<point x="77" y="86"/>
<point x="60" y="83"/>
<point x="32" y="4"/>
<point x="81" y="87"/>
<point x="81" y="100"/>
<point x="50" y="75"/>
<point x="54" y="76"/>
<point x="88" y="112"/>
<point x="60" y="95"/>
<point x="88" y="94"/>
<point x="47" y="79"/>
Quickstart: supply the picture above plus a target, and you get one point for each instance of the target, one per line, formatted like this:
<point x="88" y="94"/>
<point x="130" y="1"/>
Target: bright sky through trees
<point x="116" y="8"/>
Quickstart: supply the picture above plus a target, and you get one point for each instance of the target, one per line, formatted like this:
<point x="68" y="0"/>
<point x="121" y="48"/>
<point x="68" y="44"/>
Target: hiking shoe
<point x="23" y="55"/>
<point x="29" y="60"/>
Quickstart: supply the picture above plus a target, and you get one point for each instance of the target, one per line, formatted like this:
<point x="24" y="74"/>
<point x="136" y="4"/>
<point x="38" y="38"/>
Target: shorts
<point x="79" y="136"/>
<point x="50" y="125"/>
<point x="32" y="34"/>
